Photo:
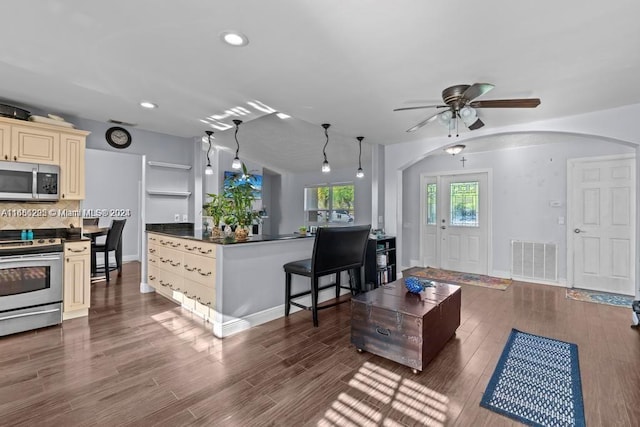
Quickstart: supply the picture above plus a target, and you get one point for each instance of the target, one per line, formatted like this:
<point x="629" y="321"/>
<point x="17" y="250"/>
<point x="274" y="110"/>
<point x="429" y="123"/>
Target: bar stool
<point x="112" y="243"/>
<point x="335" y="249"/>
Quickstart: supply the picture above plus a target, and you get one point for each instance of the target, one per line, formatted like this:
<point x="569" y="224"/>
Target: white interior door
<point x="455" y="232"/>
<point x="602" y="229"/>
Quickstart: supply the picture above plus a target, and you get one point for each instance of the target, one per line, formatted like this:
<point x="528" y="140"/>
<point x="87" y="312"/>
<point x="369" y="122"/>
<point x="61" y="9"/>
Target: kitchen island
<point x="233" y="285"/>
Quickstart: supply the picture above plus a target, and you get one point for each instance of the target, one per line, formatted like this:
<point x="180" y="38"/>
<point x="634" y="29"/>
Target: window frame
<point x="331" y="214"/>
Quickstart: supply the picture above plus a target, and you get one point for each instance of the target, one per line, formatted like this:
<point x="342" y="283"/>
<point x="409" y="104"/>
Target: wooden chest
<point x="407" y="328"/>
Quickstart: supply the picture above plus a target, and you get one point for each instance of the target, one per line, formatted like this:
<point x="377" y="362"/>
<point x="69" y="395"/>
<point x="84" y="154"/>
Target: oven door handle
<point x="18" y="258"/>
<point x="35" y="313"/>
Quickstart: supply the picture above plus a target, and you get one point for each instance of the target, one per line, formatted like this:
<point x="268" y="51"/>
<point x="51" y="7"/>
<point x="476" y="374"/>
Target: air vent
<point x="118" y="122"/>
<point x="530" y="260"/>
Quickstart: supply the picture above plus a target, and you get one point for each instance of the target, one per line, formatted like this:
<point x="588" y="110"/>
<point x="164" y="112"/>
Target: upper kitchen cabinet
<point x="30" y="142"/>
<point x="35" y="145"/>
<point x="72" y="149"/>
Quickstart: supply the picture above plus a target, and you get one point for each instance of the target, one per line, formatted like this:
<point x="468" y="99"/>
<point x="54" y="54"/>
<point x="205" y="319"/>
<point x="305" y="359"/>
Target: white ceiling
<point x="344" y="62"/>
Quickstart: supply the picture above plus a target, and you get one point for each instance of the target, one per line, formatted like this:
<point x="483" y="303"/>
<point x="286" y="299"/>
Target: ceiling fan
<point x="459" y="103"/>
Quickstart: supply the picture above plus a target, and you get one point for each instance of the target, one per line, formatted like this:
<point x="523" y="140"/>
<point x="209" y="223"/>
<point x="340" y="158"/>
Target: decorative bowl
<point x="416" y="285"/>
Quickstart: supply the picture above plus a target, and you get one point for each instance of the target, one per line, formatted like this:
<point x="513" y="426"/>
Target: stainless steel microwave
<point x="29" y="182"/>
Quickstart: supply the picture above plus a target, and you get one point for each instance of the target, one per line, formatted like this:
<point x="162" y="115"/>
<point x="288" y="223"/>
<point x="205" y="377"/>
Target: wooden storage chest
<point x="407" y="328"/>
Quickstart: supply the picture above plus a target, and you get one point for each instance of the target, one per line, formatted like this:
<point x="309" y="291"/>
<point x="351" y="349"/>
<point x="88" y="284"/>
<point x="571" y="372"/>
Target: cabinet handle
<point x="63" y="195"/>
<point x="15" y="158"/>
<point x="77" y="250"/>
<point x="6" y="157"/>
<point x="152" y="260"/>
<point x="383" y="331"/>
<point x="208" y="273"/>
<point x="188" y="248"/>
<point x="204" y="252"/>
<point x="186" y="267"/>
<point x="152" y="277"/>
<point x="174" y="264"/>
<point x="67" y="259"/>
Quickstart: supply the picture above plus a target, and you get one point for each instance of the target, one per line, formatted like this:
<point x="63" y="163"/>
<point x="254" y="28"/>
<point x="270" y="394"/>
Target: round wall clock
<point x="118" y="137"/>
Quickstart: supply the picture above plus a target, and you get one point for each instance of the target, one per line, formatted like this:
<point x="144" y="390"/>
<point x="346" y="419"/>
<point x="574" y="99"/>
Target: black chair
<point x="335" y="249"/>
<point x="112" y="243"/>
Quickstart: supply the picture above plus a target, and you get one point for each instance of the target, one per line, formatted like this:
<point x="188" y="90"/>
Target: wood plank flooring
<point x="141" y="360"/>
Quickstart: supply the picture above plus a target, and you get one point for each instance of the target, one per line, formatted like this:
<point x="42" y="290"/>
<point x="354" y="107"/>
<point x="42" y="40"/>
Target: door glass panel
<point x="464" y="204"/>
<point x="431" y="204"/>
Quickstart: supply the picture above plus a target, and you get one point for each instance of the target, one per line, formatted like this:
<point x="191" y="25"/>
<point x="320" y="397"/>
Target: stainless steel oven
<point x="31" y="277"/>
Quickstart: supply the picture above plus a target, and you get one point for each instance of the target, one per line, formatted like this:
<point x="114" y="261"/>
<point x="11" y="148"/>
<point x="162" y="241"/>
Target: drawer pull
<point x="153" y="251"/>
<point x="187" y="247"/>
<point x="77" y="250"/>
<point x="174" y="264"/>
<point x="382" y="331"/>
<point x="208" y="273"/>
<point x="186" y="267"/>
<point x="152" y="260"/>
<point x="176" y="245"/>
<point x="208" y="251"/>
<point x="152" y="277"/>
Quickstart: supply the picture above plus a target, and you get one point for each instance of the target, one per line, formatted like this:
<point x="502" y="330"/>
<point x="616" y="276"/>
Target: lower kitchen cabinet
<point x="77" y="279"/>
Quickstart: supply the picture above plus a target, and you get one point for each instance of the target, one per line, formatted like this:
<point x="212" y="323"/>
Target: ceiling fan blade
<point x="422" y="123"/>
<point x="476" y="90"/>
<point x="476" y="125"/>
<point x="507" y="103"/>
<point x="419" y="107"/>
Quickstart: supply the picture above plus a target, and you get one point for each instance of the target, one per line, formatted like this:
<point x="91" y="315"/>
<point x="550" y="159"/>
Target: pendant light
<point x="237" y="164"/>
<point x="325" y="165"/>
<point x="208" y="170"/>
<point x="360" y="173"/>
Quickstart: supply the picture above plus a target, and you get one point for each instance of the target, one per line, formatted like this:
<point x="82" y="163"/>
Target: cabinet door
<point x="77" y="282"/>
<point x="5" y="141"/>
<point x="72" y="148"/>
<point x="35" y="145"/>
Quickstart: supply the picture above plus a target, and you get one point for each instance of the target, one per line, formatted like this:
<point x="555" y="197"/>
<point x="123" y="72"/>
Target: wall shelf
<point x="169" y="193"/>
<point x="168" y="165"/>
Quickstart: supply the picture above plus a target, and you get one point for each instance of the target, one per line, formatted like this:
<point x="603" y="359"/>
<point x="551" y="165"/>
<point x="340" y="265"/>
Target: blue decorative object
<point x="416" y="285"/>
<point x="537" y="382"/>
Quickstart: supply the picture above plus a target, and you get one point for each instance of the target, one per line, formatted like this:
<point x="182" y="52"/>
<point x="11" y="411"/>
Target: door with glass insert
<point x="456" y="217"/>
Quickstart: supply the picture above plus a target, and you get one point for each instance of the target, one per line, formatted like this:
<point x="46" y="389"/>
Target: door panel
<point x="603" y="224"/>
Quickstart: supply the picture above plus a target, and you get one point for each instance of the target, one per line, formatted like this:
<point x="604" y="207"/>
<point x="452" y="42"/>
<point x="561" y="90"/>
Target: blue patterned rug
<point x="537" y="382"/>
<point x="600" y="297"/>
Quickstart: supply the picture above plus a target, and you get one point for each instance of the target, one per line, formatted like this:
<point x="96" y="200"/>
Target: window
<point x="431" y="203"/>
<point x="464" y="204"/>
<point x="331" y="203"/>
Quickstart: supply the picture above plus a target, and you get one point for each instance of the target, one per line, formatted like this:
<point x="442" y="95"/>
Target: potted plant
<point x="302" y="230"/>
<point x="240" y="198"/>
<point x="217" y="208"/>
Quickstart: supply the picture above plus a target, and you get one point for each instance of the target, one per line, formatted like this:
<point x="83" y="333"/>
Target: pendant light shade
<point x="237" y="164"/>
<point x="454" y="149"/>
<point x="360" y="173"/>
<point x="325" y="165"/>
<point x="208" y="170"/>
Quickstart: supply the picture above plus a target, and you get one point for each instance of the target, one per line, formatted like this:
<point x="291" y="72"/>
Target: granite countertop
<point x="186" y="231"/>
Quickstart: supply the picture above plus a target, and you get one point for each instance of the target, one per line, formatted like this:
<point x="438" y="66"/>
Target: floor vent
<point x="532" y="260"/>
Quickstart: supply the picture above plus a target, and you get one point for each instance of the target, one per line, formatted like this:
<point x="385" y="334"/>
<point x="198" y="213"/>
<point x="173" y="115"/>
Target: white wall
<point x="292" y="197"/>
<point x="119" y="191"/>
<point x="525" y="180"/>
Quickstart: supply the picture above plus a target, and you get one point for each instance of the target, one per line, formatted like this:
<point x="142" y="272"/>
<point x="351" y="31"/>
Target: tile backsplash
<point x="20" y="215"/>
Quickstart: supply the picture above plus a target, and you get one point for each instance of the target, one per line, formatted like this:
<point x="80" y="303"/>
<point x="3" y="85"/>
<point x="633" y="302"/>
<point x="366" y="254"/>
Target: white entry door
<point x="602" y="228"/>
<point x="455" y="222"/>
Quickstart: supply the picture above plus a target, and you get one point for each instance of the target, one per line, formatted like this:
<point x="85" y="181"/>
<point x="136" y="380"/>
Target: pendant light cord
<point x="237" y="122"/>
<point x="209" y="133"/>
<point x="326" y="133"/>
<point x="360" y="138"/>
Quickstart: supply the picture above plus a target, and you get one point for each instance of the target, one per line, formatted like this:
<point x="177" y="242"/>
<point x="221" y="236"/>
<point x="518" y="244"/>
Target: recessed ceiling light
<point x="147" y="104"/>
<point x="234" y="38"/>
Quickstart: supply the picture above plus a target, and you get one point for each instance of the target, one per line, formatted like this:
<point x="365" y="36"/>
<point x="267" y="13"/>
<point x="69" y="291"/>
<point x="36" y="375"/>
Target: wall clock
<point x="118" y="137"/>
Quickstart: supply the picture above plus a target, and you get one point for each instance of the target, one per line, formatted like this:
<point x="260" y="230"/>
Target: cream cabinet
<point x="77" y="279"/>
<point x="184" y="270"/>
<point x="5" y="142"/>
<point x="72" y="149"/>
<point x="35" y="145"/>
<point x="22" y="141"/>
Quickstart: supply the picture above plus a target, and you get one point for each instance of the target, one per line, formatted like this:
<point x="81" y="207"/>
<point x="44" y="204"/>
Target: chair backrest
<point x="339" y="248"/>
<point x="114" y="234"/>
<point x="90" y="221"/>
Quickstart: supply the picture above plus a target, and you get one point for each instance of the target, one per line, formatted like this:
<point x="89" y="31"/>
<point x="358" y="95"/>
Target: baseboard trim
<point x="562" y="283"/>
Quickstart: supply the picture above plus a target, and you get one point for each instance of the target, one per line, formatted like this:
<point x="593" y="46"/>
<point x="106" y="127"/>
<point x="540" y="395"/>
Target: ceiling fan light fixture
<point x="236" y="164"/>
<point x="454" y="149"/>
<point x="445" y="117"/>
<point x="326" y="168"/>
<point x="468" y="115"/>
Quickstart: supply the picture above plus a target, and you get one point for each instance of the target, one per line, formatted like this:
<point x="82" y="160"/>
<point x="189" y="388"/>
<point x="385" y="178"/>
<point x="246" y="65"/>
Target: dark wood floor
<point x="141" y="360"/>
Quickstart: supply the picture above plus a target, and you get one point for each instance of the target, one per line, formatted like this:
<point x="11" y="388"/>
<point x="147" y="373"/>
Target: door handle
<point x="578" y="231"/>
<point x="444" y="227"/>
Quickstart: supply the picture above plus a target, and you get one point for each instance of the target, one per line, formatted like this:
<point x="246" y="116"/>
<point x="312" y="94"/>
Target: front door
<point x="455" y="222"/>
<point x="602" y="228"/>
